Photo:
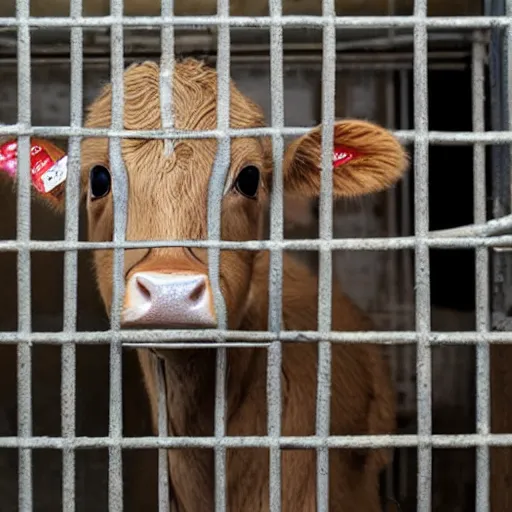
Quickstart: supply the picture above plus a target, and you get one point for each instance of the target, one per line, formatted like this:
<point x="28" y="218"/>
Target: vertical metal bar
<point x="391" y="12"/>
<point x="276" y="255"/>
<point x="120" y="194"/>
<point x="482" y="279"/>
<point x="68" y="355"/>
<point x="215" y="190"/>
<point x="166" y="111"/>
<point x="507" y="86"/>
<point x="24" y="281"/>
<point x="507" y="112"/>
<point x="163" y="459"/>
<point x="325" y="257"/>
<point x="391" y="272"/>
<point x="167" y="73"/>
<point x="423" y="363"/>
<point x="391" y="218"/>
<point x="405" y="280"/>
<point x="499" y="91"/>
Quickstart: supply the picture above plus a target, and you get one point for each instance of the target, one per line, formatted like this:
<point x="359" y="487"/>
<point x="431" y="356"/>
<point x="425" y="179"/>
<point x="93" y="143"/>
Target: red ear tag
<point x="48" y="164"/>
<point x="342" y="155"/>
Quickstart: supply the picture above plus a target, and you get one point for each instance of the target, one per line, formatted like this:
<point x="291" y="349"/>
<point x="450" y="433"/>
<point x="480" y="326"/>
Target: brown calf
<point x="170" y="287"/>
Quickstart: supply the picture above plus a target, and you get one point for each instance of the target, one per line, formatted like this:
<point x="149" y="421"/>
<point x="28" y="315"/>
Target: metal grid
<point x="479" y="237"/>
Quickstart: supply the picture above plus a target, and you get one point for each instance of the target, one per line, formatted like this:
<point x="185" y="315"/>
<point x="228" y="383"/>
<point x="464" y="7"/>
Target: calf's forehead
<point x="194" y="99"/>
<point x="194" y="108"/>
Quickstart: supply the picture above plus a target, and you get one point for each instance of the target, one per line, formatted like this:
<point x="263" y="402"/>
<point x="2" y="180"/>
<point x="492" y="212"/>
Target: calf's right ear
<point x="48" y="169"/>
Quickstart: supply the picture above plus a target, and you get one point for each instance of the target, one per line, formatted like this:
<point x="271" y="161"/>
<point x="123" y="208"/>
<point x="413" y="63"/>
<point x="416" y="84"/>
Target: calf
<point x="169" y="287"/>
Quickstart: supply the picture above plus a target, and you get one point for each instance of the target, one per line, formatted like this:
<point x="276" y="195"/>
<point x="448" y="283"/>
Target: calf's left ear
<point x="366" y="158"/>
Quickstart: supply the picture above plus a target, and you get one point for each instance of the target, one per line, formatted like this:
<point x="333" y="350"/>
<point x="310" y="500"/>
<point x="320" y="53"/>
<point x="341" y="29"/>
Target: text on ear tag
<point x="342" y="155"/>
<point x="48" y="164"/>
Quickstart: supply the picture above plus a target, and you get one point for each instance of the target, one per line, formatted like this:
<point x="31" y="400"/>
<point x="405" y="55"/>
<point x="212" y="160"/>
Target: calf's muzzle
<point x="172" y="300"/>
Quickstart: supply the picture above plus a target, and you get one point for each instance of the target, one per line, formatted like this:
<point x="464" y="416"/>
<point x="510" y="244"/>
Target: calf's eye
<point x="247" y="181"/>
<point x="99" y="181"/>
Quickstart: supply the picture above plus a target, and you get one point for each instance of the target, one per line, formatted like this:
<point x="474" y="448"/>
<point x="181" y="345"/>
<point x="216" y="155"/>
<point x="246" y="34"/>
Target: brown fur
<point x="167" y="200"/>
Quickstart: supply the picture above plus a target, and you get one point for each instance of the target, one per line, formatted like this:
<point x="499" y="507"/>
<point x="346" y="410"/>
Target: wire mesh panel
<point x="381" y="248"/>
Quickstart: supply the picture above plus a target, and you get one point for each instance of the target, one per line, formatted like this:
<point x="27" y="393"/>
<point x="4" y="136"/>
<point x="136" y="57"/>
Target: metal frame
<point x="482" y="236"/>
<point x="224" y="20"/>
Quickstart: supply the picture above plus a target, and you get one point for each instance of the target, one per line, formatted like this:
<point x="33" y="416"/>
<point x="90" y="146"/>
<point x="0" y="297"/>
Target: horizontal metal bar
<point x="442" y="45"/>
<point x="199" y="41"/>
<point x="300" y="63"/>
<point x="492" y="227"/>
<point x="286" y="442"/>
<point x="186" y="338"/>
<point x="353" y="22"/>
<point x="204" y="41"/>
<point x="348" y="244"/>
<point x="433" y="137"/>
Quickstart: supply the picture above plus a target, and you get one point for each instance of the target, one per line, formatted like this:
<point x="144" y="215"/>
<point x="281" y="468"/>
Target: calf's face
<point x="167" y="199"/>
<point x="167" y="192"/>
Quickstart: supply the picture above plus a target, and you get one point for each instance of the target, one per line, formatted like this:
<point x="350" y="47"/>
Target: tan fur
<point x="167" y="200"/>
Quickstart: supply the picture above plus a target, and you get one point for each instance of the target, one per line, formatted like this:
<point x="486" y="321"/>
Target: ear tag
<point x="48" y="164"/>
<point x="342" y="155"/>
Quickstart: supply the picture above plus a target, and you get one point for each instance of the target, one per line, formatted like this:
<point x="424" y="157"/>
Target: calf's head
<point x="167" y="192"/>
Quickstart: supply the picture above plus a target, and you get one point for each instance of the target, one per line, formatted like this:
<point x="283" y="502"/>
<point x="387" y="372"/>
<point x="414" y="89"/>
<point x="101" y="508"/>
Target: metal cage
<point x="439" y="358"/>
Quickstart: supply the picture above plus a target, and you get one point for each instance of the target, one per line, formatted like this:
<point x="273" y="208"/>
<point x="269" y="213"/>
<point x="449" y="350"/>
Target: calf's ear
<point x="366" y="158"/>
<point x="48" y="169"/>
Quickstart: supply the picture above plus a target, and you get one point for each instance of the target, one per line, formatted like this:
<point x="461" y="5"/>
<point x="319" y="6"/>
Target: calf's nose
<point x="168" y="300"/>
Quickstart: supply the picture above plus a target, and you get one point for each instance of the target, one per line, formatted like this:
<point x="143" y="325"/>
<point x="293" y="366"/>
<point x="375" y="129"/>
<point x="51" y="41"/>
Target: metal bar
<point x="498" y="94"/>
<point x="68" y="355"/>
<point x="158" y="337"/>
<point x="392" y="282"/>
<point x="508" y="76"/>
<point x="325" y="219"/>
<point x="166" y="110"/>
<point x="406" y="274"/>
<point x="274" y="397"/>
<point x="503" y="199"/>
<point x="482" y="282"/>
<point x="350" y="244"/>
<point x="285" y="443"/>
<point x="392" y="38"/>
<point x="167" y="73"/>
<point x="196" y="22"/>
<point x="301" y="63"/>
<point x="186" y="41"/>
<point x="163" y="459"/>
<point x="215" y="191"/>
<point x="405" y="136"/>
<point x="24" y="375"/>
<point x="303" y="59"/>
<point x="422" y="270"/>
<point x="119" y="194"/>
<point x="203" y="39"/>
<point x="392" y="195"/>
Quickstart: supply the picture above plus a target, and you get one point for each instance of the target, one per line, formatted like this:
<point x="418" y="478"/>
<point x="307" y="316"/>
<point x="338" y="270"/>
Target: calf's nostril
<point x="143" y="290"/>
<point x="198" y="291"/>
